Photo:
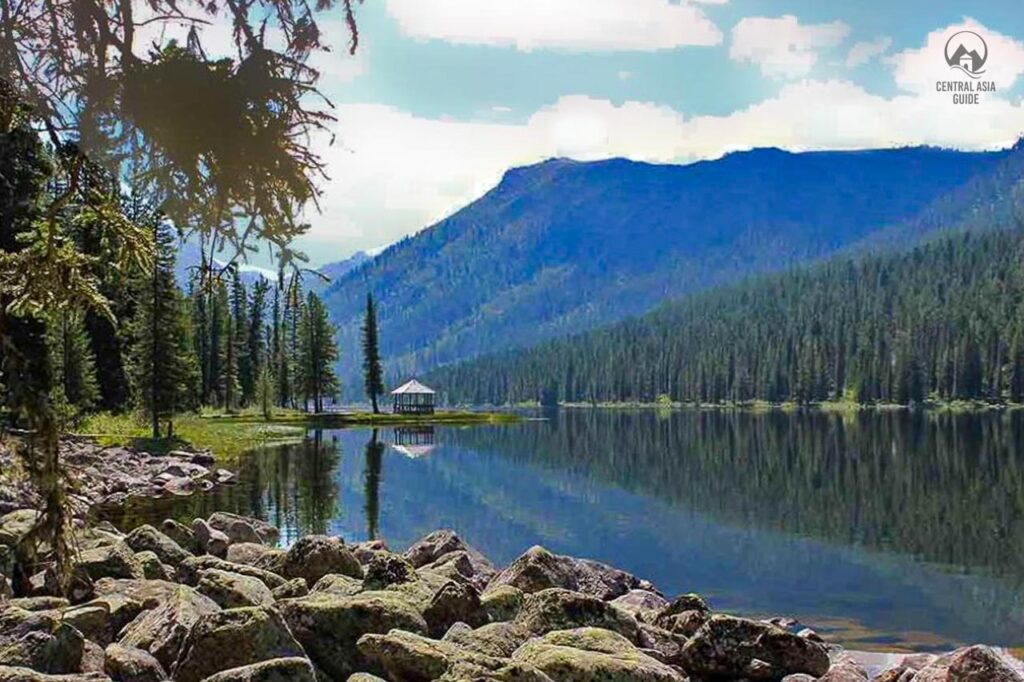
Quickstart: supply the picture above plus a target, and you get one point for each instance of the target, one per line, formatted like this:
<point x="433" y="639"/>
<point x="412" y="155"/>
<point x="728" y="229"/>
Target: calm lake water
<point x="889" y="530"/>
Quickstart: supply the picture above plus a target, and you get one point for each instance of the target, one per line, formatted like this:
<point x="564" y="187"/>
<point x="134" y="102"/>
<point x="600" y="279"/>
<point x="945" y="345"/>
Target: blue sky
<point x="445" y="95"/>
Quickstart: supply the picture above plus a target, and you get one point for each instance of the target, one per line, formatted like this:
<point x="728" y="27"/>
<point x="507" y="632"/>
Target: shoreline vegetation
<point x="229" y="435"/>
<point x="765" y="406"/>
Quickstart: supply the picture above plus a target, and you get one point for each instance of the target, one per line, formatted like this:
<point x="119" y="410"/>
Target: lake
<point x="882" y="530"/>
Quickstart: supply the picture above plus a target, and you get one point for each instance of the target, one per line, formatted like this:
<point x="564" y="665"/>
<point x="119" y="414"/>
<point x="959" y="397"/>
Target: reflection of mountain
<point x="946" y="488"/>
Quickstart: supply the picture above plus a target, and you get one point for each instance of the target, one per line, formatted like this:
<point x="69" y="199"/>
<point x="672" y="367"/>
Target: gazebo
<point x="413" y="397"/>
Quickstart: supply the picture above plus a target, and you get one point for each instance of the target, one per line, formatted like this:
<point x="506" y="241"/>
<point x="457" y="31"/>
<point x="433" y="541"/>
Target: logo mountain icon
<point x="967" y="51"/>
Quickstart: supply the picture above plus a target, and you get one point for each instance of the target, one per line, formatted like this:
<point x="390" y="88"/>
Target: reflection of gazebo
<point x="414" y="441"/>
<point x="413" y="397"/>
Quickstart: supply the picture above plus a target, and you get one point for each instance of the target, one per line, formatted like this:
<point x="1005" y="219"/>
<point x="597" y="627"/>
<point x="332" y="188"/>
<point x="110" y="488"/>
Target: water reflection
<point x="889" y="529"/>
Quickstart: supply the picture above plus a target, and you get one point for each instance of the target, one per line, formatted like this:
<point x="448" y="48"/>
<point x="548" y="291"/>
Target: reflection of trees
<point x="944" y="487"/>
<point x="371" y="477"/>
<point x="292" y="486"/>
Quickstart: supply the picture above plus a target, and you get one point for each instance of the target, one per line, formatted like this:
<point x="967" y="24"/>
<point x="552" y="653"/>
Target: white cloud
<point x="917" y="70"/>
<point x="782" y="46"/>
<point x="395" y="173"/>
<point x="575" y="25"/>
<point x="863" y="52"/>
<point x="625" y="75"/>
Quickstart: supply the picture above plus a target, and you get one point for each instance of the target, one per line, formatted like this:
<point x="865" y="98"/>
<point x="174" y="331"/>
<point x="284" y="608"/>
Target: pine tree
<point x="318" y="352"/>
<point x="240" y="328"/>
<point x="164" y="368"/>
<point x="74" y="365"/>
<point x="372" y="374"/>
<point x="371" y="484"/>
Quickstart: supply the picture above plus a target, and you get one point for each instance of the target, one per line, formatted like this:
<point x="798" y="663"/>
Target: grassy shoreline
<point x="957" y="406"/>
<point x="229" y="435"/>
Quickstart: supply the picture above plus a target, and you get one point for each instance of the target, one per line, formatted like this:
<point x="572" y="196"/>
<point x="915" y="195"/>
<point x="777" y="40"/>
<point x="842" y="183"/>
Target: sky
<point x="444" y="96"/>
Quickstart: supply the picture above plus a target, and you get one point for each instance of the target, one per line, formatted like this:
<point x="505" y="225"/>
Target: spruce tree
<point x="74" y="365"/>
<point x="318" y="352"/>
<point x="371" y="484"/>
<point x="373" y="377"/>
<point x="164" y="369"/>
<point x="240" y="335"/>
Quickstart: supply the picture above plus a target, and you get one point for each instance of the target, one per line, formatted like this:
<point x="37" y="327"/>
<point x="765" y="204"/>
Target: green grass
<point x="230" y="435"/>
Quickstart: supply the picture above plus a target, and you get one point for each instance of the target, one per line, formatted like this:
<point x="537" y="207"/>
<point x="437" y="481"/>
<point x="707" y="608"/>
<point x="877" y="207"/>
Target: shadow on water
<point x="889" y="530"/>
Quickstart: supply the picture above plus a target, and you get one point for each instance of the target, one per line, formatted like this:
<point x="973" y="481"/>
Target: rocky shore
<point x="113" y="475"/>
<point x="217" y="601"/>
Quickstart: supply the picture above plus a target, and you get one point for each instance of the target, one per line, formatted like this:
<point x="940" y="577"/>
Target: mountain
<point x="564" y="246"/>
<point x="337" y="270"/>
<point x="944" y="320"/>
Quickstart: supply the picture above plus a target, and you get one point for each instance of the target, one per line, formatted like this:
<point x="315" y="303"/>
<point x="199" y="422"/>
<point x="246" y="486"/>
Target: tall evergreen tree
<point x="318" y="352"/>
<point x="371" y="484"/>
<point x="373" y="375"/>
<point x="74" y="365"/>
<point x="164" y="367"/>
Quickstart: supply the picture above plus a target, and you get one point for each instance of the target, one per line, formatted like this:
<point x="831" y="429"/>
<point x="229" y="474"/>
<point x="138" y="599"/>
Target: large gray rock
<point x="433" y="546"/>
<point x="101" y="619"/>
<point x="495" y="639"/>
<point x="593" y="654"/>
<point x="39" y="640"/>
<point x="642" y="604"/>
<point x="736" y="647"/>
<point x="153" y="568"/>
<point x="454" y="603"/>
<point x="233" y="590"/>
<point x="315" y="556"/>
<point x="293" y="589"/>
<point x="16" y="674"/>
<point x="149" y="593"/>
<point x="147" y="538"/>
<point x="684" y="615"/>
<point x="386" y="569"/>
<point x="277" y="670"/>
<point x="408" y="657"/>
<point x="15" y="525"/>
<point x="209" y="539"/>
<point x="443" y="550"/>
<point x="243" y="528"/>
<point x="181" y="534"/>
<point x="328" y="625"/>
<point x="127" y="664"/>
<point x="464" y="567"/>
<point x="558" y="609"/>
<point x="250" y="553"/>
<point x="970" y="664"/>
<point x="502" y="603"/>
<point x="190" y="570"/>
<point x="232" y="639"/>
<point x="538" y="569"/>
<point x="162" y="631"/>
<point x="116" y="560"/>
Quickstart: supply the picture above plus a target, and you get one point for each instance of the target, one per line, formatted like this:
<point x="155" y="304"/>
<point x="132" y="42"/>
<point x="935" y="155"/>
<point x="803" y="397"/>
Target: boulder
<point x="970" y="664"/>
<point x="408" y="657"/>
<point x="15" y="525"/>
<point x="502" y="603"/>
<point x="181" y="534"/>
<point x="232" y="590"/>
<point x="38" y="640"/>
<point x="340" y="585"/>
<point x="149" y="593"/>
<point x="116" y="560"/>
<point x="726" y="646"/>
<point x="232" y="639"/>
<point x="250" y="553"/>
<point x="329" y="625"/>
<point x="386" y="569"/>
<point x="560" y="609"/>
<point x="276" y="670"/>
<point x="585" y="654"/>
<point x="210" y="540"/>
<point x="292" y="589"/>
<point x="147" y="538"/>
<point x="273" y="560"/>
<point x="127" y="664"/>
<point x="92" y="658"/>
<point x="538" y="569"/>
<point x="243" y="528"/>
<point x="844" y="669"/>
<point x="190" y="570"/>
<point x="495" y="639"/>
<point x="433" y="546"/>
<point x="642" y="604"/>
<point x="315" y="556"/>
<point x="162" y="631"/>
<point x="465" y="567"/>
<point x="365" y="551"/>
<point x="16" y="674"/>
<point x="152" y="567"/>
<point x="454" y="603"/>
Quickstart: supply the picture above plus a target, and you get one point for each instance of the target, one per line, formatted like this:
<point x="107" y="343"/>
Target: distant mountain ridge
<point x="563" y="246"/>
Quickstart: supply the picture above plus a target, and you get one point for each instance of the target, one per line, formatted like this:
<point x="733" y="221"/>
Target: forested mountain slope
<point x="942" y="321"/>
<point x="564" y="246"/>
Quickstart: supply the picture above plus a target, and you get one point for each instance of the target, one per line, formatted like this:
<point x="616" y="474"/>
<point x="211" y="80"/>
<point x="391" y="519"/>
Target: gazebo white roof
<point x="413" y="387"/>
